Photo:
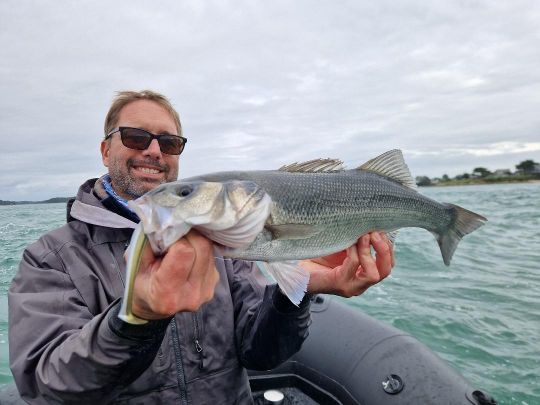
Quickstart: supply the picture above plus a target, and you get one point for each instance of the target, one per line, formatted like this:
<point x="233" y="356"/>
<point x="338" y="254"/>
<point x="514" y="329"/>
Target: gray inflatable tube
<point x="351" y="358"/>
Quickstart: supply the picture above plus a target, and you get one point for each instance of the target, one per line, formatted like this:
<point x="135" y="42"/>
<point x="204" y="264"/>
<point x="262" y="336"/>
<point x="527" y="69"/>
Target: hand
<point x="353" y="271"/>
<point x="181" y="280"/>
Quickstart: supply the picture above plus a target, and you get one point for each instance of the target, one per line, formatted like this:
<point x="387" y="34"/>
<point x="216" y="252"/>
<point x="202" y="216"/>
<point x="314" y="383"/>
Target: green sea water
<point x="481" y="314"/>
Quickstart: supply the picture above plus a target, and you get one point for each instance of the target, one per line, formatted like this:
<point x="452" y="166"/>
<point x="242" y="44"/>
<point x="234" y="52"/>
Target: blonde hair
<point x="123" y="98"/>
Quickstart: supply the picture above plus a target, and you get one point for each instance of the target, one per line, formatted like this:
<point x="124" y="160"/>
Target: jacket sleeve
<point x="269" y="328"/>
<point x="59" y="351"/>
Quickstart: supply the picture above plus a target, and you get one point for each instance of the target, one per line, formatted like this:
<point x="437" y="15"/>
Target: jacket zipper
<point x="180" y="375"/>
<point x="117" y="265"/>
<point x="196" y="340"/>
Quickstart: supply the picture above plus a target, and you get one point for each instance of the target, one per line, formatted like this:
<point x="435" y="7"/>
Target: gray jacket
<point x="68" y="346"/>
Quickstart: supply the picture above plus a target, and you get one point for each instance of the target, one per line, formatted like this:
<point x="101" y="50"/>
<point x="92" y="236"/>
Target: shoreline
<point x="481" y="183"/>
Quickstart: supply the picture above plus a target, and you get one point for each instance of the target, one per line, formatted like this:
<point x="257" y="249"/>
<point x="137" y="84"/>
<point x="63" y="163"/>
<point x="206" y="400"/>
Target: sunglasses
<point x="136" y="138"/>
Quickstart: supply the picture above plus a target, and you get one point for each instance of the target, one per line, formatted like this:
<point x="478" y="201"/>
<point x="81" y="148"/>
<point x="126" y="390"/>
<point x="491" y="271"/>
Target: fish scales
<point x="341" y="206"/>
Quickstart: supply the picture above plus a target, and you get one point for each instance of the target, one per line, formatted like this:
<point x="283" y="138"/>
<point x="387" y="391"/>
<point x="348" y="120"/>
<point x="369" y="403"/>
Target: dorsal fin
<point x="391" y="165"/>
<point x="314" y="166"/>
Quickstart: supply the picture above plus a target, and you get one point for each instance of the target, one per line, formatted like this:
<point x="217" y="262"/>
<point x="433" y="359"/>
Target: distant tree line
<point x="526" y="170"/>
<point x="49" y="201"/>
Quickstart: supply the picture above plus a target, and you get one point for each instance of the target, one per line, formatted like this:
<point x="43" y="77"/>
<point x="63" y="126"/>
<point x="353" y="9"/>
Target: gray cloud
<point x="454" y="84"/>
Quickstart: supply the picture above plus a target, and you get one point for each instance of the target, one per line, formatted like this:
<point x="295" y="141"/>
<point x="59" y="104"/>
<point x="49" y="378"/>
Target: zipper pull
<point x="199" y="350"/>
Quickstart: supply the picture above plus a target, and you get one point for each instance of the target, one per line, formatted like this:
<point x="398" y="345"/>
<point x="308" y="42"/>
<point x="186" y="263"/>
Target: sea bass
<point x="303" y="210"/>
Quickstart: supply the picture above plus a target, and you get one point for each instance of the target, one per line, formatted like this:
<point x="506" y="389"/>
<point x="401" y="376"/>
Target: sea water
<point x="481" y="314"/>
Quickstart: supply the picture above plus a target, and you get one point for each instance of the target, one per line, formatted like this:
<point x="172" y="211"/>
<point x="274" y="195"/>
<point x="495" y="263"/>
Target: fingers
<point x="353" y="271"/>
<point x="333" y="260"/>
<point x="182" y="280"/>
<point x="182" y="252"/>
<point x="391" y="246"/>
<point x="203" y="276"/>
<point x="371" y="270"/>
<point x="207" y="276"/>
<point x="194" y="253"/>
<point x="352" y="260"/>
<point x="384" y="254"/>
<point x="357" y="270"/>
<point x="368" y="269"/>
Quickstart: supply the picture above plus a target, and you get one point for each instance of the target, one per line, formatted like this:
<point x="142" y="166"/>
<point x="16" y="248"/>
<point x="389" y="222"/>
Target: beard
<point x="126" y="184"/>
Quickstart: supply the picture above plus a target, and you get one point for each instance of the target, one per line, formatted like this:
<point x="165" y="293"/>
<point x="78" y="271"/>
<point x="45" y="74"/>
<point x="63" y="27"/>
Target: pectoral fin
<point x="292" y="279"/>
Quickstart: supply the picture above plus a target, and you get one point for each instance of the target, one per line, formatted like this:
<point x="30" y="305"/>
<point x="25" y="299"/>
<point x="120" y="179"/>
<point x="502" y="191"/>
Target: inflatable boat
<point x="351" y="358"/>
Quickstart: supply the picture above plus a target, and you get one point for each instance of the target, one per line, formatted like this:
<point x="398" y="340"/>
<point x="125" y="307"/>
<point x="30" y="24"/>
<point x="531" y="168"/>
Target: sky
<point x="454" y="84"/>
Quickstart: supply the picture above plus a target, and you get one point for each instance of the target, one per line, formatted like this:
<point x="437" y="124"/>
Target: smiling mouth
<point x="147" y="170"/>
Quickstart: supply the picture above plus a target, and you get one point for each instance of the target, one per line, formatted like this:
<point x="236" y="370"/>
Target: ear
<point x="105" y="148"/>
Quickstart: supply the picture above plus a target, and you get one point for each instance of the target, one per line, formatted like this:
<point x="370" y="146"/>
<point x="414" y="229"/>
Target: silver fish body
<point x="300" y="211"/>
<point x="315" y="214"/>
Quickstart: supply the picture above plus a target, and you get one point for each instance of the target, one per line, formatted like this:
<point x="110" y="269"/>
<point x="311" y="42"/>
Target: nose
<point x="153" y="149"/>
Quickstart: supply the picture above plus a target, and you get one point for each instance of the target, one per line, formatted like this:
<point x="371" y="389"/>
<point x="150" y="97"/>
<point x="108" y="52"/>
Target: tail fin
<point x="465" y="222"/>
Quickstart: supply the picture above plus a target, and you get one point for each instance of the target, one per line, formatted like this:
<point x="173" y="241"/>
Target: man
<point x="209" y="318"/>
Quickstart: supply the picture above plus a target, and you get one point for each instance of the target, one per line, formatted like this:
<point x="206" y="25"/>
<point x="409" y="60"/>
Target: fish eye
<point x="185" y="191"/>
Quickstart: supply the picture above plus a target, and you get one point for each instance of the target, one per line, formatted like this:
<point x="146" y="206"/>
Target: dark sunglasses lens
<point x="171" y="145"/>
<point x="135" y="138"/>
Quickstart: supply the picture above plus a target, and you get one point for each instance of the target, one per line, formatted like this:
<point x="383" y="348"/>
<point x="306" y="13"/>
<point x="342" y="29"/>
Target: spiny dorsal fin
<point x="391" y="165"/>
<point x="314" y="166"/>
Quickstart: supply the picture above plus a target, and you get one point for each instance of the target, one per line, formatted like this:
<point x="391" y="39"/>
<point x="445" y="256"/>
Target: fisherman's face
<point x="134" y="172"/>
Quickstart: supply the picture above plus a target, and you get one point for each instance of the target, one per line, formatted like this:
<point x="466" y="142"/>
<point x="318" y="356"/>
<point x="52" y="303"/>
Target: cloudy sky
<point x="258" y="84"/>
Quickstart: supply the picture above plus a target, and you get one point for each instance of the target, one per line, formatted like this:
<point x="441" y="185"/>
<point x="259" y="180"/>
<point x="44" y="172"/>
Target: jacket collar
<point x="94" y="206"/>
<point x="99" y="216"/>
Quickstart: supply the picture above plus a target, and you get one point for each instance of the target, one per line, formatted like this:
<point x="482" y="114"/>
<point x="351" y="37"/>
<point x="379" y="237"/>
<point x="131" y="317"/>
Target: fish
<point x="300" y="211"/>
